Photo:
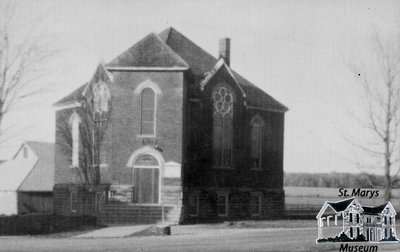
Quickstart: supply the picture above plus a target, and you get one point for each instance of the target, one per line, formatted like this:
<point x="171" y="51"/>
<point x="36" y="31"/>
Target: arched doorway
<point x="146" y="180"/>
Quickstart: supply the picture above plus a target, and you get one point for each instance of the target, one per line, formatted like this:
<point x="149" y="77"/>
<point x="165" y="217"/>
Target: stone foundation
<point x="239" y="204"/>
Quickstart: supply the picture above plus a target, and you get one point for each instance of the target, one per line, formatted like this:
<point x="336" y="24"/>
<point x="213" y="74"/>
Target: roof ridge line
<point x="169" y="34"/>
<point x="172" y="29"/>
<point x="165" y="44"/>
<point x="28" y="141"/>
<point x="221" y="63"/>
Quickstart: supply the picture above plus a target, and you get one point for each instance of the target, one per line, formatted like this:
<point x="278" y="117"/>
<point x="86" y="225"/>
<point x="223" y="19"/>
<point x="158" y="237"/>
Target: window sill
<point x="149" y="204"/>
<point x="73" y="166"/>
<point x="146" y="136"/>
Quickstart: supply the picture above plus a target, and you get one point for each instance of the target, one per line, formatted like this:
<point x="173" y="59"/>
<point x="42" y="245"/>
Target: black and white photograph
<point x="215" y="125"/>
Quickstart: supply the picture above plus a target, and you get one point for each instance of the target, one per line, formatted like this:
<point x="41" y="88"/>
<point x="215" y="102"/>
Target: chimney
<point x="225" y="50"/>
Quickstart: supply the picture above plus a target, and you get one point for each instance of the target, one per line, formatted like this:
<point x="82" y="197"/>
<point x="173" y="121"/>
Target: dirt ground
<point x="285" y="235"/>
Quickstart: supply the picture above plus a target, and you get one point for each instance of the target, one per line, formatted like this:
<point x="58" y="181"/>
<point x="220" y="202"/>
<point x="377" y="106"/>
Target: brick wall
<point x="35" y="202"/>
<point x="200" y="177"/>
<point x="239" y="204"/>
<point x="122" y="134"/>
<point x="63" y="153"/>
<point x="85" y="199"/>
<point x="124" y="128"/>
<point x="199" y="170"/>
<point x="184" y="131"/>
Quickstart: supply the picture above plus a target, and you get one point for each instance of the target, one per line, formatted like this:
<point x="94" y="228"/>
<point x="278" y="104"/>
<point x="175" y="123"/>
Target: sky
<point x="300" y="52"/>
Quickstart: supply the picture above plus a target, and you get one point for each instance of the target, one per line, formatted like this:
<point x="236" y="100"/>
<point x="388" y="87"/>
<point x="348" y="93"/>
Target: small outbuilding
<point x="27" y="180"/>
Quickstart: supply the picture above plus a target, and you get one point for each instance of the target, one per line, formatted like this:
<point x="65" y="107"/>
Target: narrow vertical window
<point x="256" y="204"/>
<point x="193" y="205"/>
<point x="102" y="153"/>
<point x="101" y="98"/>
<point x="148" y="105"/>
<point x="73" y="202"/>
<point x="257" y="125"/>
<point x="222" y="205"/>
<point x="222" y="126"/>
<point x="351" y="217"/>
<point x="75" y="122"/>
<point x="99" y="200"/>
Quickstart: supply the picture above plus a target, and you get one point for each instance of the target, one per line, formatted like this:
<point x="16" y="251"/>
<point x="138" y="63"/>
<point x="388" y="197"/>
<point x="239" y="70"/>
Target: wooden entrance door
<point x="146" y="180"/>
<point x="146" y="185"/>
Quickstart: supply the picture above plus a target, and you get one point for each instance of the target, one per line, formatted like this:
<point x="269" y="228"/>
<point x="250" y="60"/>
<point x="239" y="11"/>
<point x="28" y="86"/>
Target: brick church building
<point x="166" y="130"/>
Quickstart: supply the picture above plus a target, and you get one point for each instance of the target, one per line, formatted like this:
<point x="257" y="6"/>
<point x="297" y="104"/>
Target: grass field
<point x="315" y="197"/>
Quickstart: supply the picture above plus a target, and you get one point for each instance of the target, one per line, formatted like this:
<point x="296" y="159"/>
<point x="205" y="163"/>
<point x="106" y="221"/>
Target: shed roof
<point x="74" y="96"/>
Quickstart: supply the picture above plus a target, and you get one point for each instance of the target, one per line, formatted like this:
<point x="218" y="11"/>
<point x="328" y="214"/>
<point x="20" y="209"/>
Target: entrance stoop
<point x="136" y="214"/>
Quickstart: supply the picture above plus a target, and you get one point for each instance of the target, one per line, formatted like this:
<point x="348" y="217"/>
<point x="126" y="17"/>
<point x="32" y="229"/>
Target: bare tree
<point x="380" y="85"/>
<point x="94" y="114"/>
<point x="22" y="53"/>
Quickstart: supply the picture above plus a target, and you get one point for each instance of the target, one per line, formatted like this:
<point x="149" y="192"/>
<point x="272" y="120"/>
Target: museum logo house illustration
<point x="350" y="218"/>
<point x="165" y="125"/>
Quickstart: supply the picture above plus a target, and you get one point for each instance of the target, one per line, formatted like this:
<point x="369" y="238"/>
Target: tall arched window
<point x="101" y="97"/>
<point x="74" y="122"/>
<point x="222" y="126"/>
<point x="257" y="125"/>
<point x="148" y="104"/>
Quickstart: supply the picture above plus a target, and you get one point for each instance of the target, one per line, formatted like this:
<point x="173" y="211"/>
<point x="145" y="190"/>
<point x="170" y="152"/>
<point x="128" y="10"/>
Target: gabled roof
<point x="219" y="65"/>
<point x="374" y="210"/>
<point x="341" y="205"/>
<point x="35" y="172"/>
<point x="41" y="176"/>
<point x="378" y="209"/>
<point x="151" y="51"/>
<point x="338" y="206"/>
<point x="171" y="49"/>
<point x="13" y="172"/>
<point x="201" y="62"/>
<point x="79" y="94"/>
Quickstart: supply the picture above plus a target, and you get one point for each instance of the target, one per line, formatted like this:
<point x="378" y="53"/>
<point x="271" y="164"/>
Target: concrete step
<point x="112" y="213"/>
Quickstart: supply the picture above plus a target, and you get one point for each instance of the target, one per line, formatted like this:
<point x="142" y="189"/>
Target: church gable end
<point x="170" y="124"/>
